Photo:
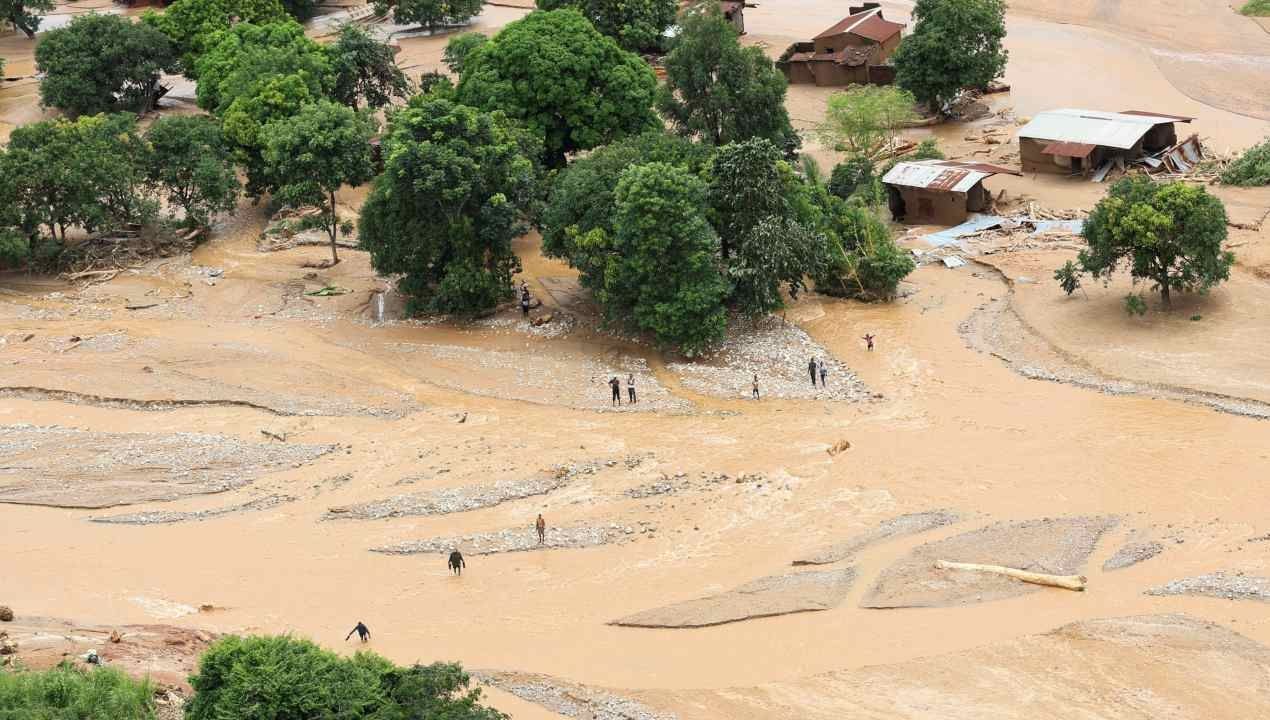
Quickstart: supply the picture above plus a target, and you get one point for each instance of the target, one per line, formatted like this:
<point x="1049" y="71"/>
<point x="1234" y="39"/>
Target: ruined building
<point x="853" y="51"/>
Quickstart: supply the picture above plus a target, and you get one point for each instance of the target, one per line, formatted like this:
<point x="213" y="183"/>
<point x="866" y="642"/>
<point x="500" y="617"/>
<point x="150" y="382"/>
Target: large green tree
<point x="25" y="15"/>
<point x="365" y="70"/>
<point x="430" y="14"/>
<point x="573" y="87"/>
<point x="193" y="23"/>
<point x="314" y="153"/>
<point x="635" y="24"/>
<point x="955" y="44"/>
<point x="659" y="270"/>
<point x="720" y="92"/>
<point x="863" y="120"/>
<point x="102" y="63"/>
<point x="1170" y="235"/>
<point x="284" y="678"/>
<point x="457" y="188"/>
<point x="192" y="166"/>
<point x="459" y="48"/>
<point x="863" y="260"/>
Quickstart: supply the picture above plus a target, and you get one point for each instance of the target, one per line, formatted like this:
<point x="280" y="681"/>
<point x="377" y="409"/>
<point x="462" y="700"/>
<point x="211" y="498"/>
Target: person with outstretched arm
<point x="362" y="631"/>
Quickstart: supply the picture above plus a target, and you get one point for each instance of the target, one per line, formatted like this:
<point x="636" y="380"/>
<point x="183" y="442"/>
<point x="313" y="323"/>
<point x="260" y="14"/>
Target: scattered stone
<point x="570" y="699"/>
<point x="164" y="517"/>
<point x="909" y="524"/>
<point x="1132" y="554"/>
<point x="839" y="447"/>
<point x="7" y="646"/>
<point x="6" y="613"/>
<point x="115" y="637"/>
<point x="766" y="597"/>
<point x="1055" y="546"/>
<point x="1230" y="586"/>
<point x="516" y="540"/>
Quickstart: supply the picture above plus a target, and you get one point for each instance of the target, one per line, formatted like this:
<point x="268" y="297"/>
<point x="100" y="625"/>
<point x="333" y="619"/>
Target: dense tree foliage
<point x="863" y="260"/>
<point x="635" y="24"/>
<point x="659" y="269"/>
<point x="191" y="165"/>
<point x="365" y="71"/>
<point x="864" y="120"/>
<point x="1250" y="168"/>
<point x="459" y="47"/>
<point x="852" y="173"/>
<point x="553" y="72"/>
<point x="430" y="14"/>
<point x="193" y="23"/>
<point x="955" y="44"/>
<point x="720" y="92"/>
<point x="457" y="188"/>
<point x="102" y="63"/>
<point x="70" y="693"/>
<point x="314" y="153"/>
<point x="25" y="14"/>
<point x="86" y="173"/>
<point x="1170" y="235"/>
<point x="300" y="9"/>
<point x="283" y="678"/>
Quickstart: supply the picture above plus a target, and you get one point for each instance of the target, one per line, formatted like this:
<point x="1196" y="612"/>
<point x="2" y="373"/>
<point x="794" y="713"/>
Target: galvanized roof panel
<point x="944" y="175"/>
<point x="1109" y="129"/>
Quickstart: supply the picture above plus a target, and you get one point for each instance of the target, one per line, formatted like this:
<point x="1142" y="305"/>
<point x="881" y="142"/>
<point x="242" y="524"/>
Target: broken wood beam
<point x="1067" y="582"/>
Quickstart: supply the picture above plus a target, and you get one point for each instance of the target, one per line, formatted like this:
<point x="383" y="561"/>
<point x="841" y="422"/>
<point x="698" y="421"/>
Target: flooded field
<point x="326" y="428"/>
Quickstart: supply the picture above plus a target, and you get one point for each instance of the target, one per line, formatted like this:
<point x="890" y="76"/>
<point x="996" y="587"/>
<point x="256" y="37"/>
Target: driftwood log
<point x="1067" y="582"/>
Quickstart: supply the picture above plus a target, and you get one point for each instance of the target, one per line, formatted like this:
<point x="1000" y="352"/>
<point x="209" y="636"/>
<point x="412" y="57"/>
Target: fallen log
<point x="1067" y="582"/>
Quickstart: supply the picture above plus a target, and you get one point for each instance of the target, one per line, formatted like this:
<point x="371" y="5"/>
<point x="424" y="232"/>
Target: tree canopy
<point x="635" y="24"/>
<point x="459" y="47"/>
<point x="863" y="120"/>
<point x="102" y="63"/>
<point x="430" y="14"/>
<point x="458" y="186"/>
<point x="553" y="72"/>
<point x="191" y="24"/>
<point x="955" y="44"/>
<point x="192" y="166"/>
<point x="314" y="153"/>
<point x="284" y="678"/>
<point x="25" y="14"/>
<point x="1170" y="235"/>
<point x="365" y="70"/>
<point x="720" y="92"/>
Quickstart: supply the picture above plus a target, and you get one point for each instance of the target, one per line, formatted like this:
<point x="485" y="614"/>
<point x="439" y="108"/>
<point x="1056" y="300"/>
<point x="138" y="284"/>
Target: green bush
<point x="69" y="693"/>
<point x="1258" y="8"/>
<point x="850" y="174"/>
<point x="864" y="261"/>
<point x="1253" y="167"/>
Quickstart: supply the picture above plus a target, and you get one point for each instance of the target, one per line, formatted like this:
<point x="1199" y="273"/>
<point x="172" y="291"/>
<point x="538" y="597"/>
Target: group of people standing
<point x="616" y="386"/>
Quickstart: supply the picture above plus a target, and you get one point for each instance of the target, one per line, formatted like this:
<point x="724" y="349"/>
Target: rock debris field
<point x="162" y="517"/>
<point x="909" y="524"/>
<point x="76" y="468"/>
<point x="1229" y="586"/>
<point x="1131" y="554"/>
<point x="569" y="699"/>
<point x="521" y="540"/>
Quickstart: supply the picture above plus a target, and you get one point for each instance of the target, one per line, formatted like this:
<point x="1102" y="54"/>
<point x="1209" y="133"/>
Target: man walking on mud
<point x="541" y="526"/>
<point x="811" y="368"/>
<point x="456" y="562"/>
<point x="616" y="386"/>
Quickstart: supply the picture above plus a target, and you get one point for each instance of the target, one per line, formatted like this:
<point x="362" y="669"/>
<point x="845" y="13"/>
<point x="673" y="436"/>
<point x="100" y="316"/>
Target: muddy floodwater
<point x="201" y="443"/>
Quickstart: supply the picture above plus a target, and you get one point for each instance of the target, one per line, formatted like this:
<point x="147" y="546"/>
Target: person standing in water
<point x="869" y="339"/>
<point x="457" y="563"/>
<point x="754" y="390"/>
<point x="811" y="368"/>
<point x="541" y="526"/>
<point x="630" y="388"/>
<point x="362" y="631"/>
<point x="824" y="372"/>
<point x="616" y="386"/>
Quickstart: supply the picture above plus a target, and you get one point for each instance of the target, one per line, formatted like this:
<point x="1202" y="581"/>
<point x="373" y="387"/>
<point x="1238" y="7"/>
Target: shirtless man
<point x="541" y="526"/>
<point x="457" y="563"/>
<point x="869" y="339"/>
<point x="362" y="631"/>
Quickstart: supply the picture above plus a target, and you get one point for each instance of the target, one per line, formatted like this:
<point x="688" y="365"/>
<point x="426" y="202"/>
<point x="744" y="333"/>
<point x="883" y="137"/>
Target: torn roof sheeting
<point x="1109" y="129"/>
<point x="947" y="175"/>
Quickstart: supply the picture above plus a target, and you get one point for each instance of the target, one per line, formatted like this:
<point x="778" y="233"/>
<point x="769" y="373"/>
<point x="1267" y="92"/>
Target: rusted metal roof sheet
<point x="942" y="175"/>
<point x="1068" y="149"/>
<point x="867" y="24"/>
<point x="1109" y="129"/>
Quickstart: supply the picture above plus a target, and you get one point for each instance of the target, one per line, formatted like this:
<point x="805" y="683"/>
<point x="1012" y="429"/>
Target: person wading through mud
<point x="811" y="368"/>
<point x="616" y="386"/>
<point x="630" y="388"/>
<point x="362" y="631"/>
<point x="524" y="301"/>
<point x="824" y="373"/>
<point x="869" y="339"/>
<point x="754" y="391"/>
<point x="541" y="526"/>
<point x="457" y="563"/>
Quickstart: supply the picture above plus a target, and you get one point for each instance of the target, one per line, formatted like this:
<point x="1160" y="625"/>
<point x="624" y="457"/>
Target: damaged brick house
<point x="939" y="192"/>
<point x="853" y="51"/>
<point x="1085" y="142"/>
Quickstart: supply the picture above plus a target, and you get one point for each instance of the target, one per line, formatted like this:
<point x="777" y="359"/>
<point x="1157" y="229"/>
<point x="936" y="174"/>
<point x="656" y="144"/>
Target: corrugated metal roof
<point x="946" y="175"/>
<point x="1178" y="118"/>
<point x="867" y="24"/>
<point x="1117" y="130"/>
<point x="1068" y="149"/>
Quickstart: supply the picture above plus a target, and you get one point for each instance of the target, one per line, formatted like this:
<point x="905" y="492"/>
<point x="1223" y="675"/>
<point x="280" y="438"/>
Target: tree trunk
<point x="1164" y="296"/>
<point x="1067" y="582"/>
<point x="332" y="229"/>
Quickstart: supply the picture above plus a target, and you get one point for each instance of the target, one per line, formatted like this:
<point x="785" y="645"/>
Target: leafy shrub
<point x="849" y="175"/>
<point x="1253" y="167"/>
<point x="1135" y="304"/>
<point x="1258" y="8"/>
<point x="69" y="693"/>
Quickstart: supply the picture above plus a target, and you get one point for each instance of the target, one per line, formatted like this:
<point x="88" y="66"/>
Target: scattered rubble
<point x="1131" y="554"/>
<point x="569" y="699"/>
<point x="164" y="517"/>
<point x="75" y="468"/>
<point x="522" y="540"/>
<point x="6" y="613"/>
<point x="669" y="484"/>
<point x="1230" y="586"/>
<point x="766" y="597"/>
<point x="1055" y="546"/>
<point x="909" y="524"/>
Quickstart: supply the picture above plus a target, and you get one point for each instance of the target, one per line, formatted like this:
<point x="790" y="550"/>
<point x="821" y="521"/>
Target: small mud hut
<point x="939" y="192"/>
<point x="853" y="51"/>
<point x="1089" y="142"/>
